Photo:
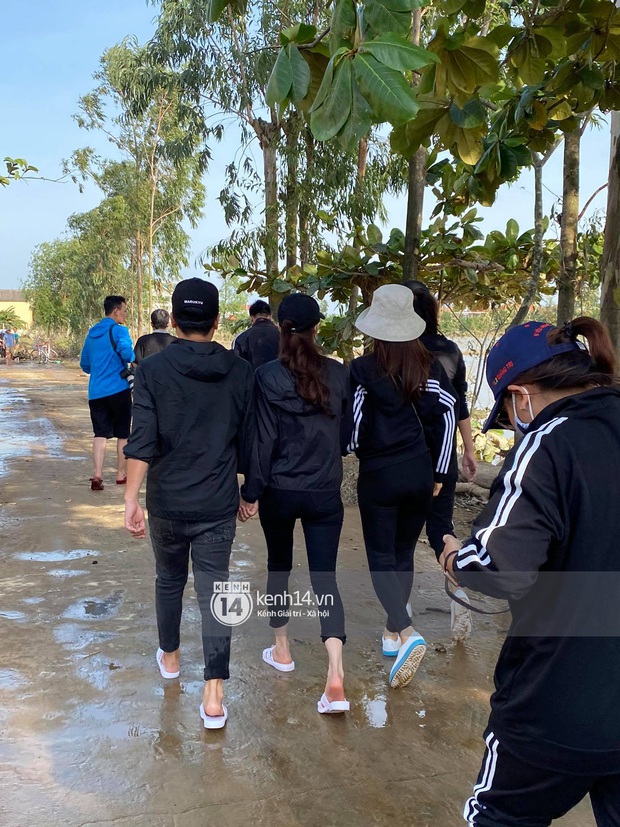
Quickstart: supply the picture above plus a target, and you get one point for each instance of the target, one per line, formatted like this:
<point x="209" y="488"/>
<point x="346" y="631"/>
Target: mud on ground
<point x="91" y="735"/>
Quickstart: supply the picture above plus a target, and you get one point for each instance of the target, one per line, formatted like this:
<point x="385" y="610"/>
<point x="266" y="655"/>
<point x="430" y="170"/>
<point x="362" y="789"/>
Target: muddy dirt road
<point x="91" y="735"/>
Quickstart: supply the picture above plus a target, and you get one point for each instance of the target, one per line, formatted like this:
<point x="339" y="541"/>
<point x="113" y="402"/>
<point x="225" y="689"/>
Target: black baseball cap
<point x="300" y="309"/>
<point x="195" y="300"/>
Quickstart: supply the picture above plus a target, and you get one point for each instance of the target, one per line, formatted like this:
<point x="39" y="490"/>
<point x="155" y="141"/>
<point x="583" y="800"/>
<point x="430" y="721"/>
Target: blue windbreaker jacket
<point x="102" y="362"/>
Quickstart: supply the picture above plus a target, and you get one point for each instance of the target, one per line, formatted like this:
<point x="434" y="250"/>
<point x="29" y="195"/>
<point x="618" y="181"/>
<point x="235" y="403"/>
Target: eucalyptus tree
<point x="161" y="156"/>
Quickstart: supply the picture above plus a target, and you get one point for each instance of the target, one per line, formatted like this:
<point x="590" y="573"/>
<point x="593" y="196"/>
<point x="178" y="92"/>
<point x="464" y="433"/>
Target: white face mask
<point x="521" y="425"/>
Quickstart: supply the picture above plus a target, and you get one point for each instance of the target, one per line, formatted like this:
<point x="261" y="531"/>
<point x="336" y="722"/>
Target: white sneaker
<point x="460" y="618"/>
<point x="390" y="647"/>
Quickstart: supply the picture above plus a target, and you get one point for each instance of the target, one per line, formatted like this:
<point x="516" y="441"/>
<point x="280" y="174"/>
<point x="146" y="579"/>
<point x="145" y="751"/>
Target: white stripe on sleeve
<point x="358" y="402"/>
<point x="513" y="488"/>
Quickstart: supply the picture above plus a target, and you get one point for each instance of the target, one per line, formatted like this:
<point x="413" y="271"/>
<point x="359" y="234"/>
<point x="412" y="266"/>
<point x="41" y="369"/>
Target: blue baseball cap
<point x="520" y="348"/>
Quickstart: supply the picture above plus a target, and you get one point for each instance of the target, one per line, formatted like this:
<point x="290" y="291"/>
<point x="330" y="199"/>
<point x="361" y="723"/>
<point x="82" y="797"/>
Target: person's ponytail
<point x="302" y="356"/>
<point x="599" y="343"/>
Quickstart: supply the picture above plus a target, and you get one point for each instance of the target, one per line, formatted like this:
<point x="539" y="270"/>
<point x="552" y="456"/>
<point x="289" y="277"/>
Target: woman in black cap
<point x="295" y="474"/>
<point x="403" y="432"/>
<point x="548" y="542"/>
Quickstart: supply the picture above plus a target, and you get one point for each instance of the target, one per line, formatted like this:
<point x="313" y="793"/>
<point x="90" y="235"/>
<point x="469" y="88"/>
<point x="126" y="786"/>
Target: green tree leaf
<point x="375" y="236"/>
<point x="471" y="116"/>
<point x="390" y="96"/>
<point x="359" y="122"/>
<point x="215" y="9"/>
<point x="281" y="80"/>
<point x="328" y="119"/>
<point x="343" y="25"/>
<point x="397" y="53"/>
<point x="382" y="18"/>
<point x="300" y="73"/>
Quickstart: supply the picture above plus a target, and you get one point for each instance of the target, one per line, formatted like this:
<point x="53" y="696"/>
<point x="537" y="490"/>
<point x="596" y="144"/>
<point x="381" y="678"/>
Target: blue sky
<point x="47" y="59"/>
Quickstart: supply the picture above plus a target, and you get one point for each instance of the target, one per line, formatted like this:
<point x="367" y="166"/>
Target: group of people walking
<point x="284" y="414"/>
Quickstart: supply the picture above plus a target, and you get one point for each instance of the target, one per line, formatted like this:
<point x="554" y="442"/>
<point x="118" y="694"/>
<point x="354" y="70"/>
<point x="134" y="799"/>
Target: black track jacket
<point x="386" y="429"/>
<point x="297" y="446"/>
<point x="193" y="422"/>
<point x="549" y="542"/>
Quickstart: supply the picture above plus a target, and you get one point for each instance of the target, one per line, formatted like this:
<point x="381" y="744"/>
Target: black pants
<point x="511" y="793"/>
<point x="209" y="544"/>
<point x="394" y="503"/>
<point x="440" y="516"/>
<point x="321" y="514"/>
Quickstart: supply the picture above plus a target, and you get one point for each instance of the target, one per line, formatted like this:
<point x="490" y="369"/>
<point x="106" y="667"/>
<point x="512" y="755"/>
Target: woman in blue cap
<point x="548" y="543"/>
<point x="295" y="474"/>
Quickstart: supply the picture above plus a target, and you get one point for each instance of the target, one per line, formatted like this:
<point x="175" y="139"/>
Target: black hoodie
<point x="193" y="422"/>
<point x="298" y="447"/>
<point x="548" y="541"/>
<point x="387" y="429"/>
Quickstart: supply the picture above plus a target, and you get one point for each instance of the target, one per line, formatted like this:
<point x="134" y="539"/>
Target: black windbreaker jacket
<point x="258" y="344"/>
<point x="193" y="422"/>
<point x="386" y="429"/>
<point x="548" y="541"/>
<point x="297" y="446"/>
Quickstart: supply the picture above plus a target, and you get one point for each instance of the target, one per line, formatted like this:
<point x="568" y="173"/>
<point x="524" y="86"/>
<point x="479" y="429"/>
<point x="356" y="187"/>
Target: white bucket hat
<point x="391" y="316"/>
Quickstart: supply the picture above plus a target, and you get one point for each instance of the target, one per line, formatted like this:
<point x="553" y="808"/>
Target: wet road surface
<point x="90" y="733"/>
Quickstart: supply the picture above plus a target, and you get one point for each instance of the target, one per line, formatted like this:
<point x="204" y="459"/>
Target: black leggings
<point x="321" y="514"/>
<point x="440" y="520"/>
<point x="394" y="503"/>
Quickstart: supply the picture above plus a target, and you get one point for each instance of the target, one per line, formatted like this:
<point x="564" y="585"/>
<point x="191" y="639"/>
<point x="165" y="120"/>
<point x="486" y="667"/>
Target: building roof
<point x="12" y="296"/>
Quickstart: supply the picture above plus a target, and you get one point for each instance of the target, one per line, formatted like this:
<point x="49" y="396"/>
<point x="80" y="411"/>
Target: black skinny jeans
<point x="394" y="502"/>
<point x="321" y="514"/>
<point x="209" y="544"/>
<point x="440" y="520"/>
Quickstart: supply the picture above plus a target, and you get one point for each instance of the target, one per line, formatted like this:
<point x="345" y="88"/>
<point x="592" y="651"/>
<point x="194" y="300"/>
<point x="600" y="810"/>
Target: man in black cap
<point x="193" y="426"/>
<point x="260" y="343"/>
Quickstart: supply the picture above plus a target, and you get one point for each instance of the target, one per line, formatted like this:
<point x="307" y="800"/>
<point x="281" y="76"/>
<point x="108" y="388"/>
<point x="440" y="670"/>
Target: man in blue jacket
<point x="105" y="355"/>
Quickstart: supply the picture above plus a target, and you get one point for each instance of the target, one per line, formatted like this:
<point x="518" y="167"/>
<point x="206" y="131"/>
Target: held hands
<point x="247" y="510"/>
<point x="469" y="466"/>
<point x="134" y="519"/>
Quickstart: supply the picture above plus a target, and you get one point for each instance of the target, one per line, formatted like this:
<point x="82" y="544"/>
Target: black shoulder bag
<point x="128" y="371"/>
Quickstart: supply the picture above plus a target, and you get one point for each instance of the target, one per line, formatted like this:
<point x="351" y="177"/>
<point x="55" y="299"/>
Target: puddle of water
<point x="91" y="607"/>
<point x="32" y="601"/>
<point x="13" y="616"/>
<point x="75" y="638"/>
<point x="25" y="432"/>
<point x="56" y="556"/>
<point x="376" y="712"/>
<point x="66" y="572"/>
<point x="11" y="679"/>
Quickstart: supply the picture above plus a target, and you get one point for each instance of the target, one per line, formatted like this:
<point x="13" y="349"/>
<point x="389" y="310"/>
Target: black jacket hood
<point x="204" y="361"/>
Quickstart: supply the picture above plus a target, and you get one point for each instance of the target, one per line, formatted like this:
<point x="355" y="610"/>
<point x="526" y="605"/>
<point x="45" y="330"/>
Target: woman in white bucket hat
<point x="402" y="432"/>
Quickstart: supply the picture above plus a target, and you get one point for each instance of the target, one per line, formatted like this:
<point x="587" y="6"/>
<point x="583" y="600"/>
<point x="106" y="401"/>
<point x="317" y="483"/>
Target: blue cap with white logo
<point x="520" y="348"/>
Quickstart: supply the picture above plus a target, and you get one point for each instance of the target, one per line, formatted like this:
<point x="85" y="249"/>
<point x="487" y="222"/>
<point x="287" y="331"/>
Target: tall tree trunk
<point x="416" y="180"/>
<point x="304" y="206"/>
<point x="610" y="288"/>
<point x="568" y="229"/>
<point x="362" y="160"/>
<point x="268" y="135"/>
<point x="291" y="203"/>
<point x="139" y="281"/>
<point x="538" y="251"/>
